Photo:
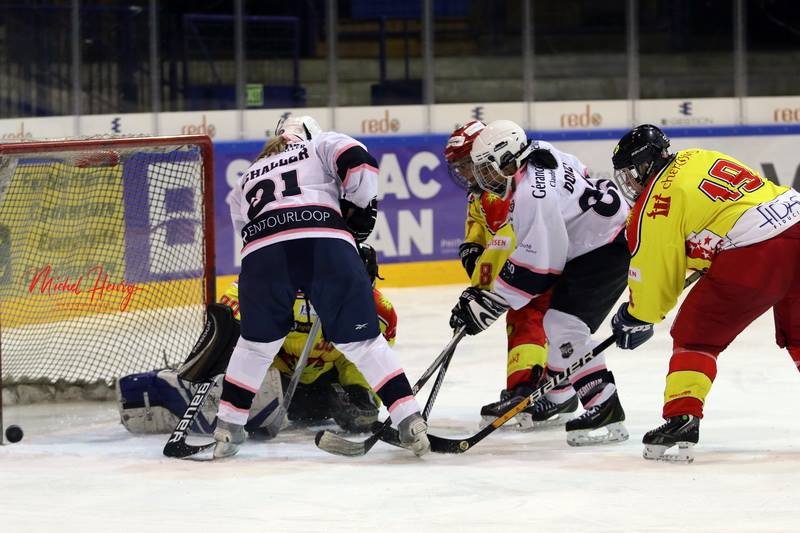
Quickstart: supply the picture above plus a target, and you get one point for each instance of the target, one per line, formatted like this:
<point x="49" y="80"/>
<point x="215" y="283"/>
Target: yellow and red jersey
<point x="487" y="225"/>
<point x="323" y="356"/>
<point x="701" y="203"/>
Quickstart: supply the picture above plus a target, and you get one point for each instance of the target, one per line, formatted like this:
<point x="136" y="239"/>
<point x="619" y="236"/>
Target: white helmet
<point x="303" y="126"/>
<point x="499" y="145"/>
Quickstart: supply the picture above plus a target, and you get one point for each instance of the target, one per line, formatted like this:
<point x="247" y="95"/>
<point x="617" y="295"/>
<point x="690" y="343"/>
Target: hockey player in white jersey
<point x="570" y="237"/>
<point x="299" y="207"/>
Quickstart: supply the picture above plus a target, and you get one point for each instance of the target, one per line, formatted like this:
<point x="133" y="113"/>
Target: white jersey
<point x="557" y="215"/>
<point x="295" y="194"/>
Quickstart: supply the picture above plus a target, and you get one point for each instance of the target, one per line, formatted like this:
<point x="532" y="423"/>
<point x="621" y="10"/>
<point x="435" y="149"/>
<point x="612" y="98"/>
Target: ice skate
<point x="508" y="399"/>
<point x="606" y="419"/>
<point x="413" y="434"/>
<point x="683" y="431"/>
<point x="545" y="413"/>
<point x="229" y="437"/>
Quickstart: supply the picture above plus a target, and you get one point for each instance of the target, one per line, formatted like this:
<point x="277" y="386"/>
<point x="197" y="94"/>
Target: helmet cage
<point x="462" y="173"/>
<point x="496" y="177"/>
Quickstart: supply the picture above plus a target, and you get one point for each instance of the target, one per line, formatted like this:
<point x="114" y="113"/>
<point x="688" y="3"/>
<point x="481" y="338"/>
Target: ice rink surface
<point x="77" y="469"/>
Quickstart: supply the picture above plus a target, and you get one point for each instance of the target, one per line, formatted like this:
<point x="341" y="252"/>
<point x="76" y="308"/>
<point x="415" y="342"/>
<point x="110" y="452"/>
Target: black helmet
<point x="638" y="156"/>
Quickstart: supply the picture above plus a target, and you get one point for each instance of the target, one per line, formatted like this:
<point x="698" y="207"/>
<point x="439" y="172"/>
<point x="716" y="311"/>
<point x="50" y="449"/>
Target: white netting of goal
<point x="104" y="269"/>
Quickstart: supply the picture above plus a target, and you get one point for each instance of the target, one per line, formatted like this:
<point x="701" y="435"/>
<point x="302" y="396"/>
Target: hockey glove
<point x="359" y="220"/>
<point x="630" y="332"/>
<point x="476" y="310"/>
<point x="469" y="252"/>
<point x="543" y="158"/>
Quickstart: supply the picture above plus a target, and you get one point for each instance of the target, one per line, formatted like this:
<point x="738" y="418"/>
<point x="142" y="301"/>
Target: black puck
<point x="14" y="433"/>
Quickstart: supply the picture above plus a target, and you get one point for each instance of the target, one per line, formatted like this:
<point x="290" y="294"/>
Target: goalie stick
<point x="447" y="445"/>
<point x="338" y="445"/>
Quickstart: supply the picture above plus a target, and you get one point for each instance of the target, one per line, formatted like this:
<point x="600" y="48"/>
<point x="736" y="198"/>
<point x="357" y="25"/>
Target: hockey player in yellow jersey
<point x="489" y="240"/>
<point x="702" y="210"/>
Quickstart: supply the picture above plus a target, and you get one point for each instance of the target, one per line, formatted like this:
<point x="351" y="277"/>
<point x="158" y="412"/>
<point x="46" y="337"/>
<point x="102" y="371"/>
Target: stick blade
<point x="438" y="444"/>
<point x="182" y="450"/>
<point x="332" y="443"/>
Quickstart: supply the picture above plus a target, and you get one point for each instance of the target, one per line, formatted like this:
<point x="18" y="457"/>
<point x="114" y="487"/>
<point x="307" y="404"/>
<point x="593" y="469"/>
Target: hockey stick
<point x="270" y="429"/>
<point x="446" y="445"/>
<point x="338" y="445"/>
<point x="437" y="385"/>
<point x="177" y="446"/>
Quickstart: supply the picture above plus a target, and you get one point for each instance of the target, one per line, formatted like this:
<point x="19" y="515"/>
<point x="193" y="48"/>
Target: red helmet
<point x="457" y="153"/>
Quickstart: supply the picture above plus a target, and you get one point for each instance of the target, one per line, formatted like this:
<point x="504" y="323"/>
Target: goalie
<point x="331" y="387"/>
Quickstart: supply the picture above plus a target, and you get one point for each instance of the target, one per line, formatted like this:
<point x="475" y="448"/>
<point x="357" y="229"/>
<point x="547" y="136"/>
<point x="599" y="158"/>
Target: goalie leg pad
<point x="266" y="404"/>
<point x="152" y="402"/>
<point x="212" y="351"/>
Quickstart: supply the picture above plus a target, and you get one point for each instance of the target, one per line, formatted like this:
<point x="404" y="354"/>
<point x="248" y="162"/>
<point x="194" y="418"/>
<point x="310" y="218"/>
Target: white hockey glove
<point x="476" y="310"/>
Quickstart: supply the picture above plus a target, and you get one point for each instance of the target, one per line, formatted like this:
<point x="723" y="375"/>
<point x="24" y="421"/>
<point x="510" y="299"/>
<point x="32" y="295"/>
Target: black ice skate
<point x="508" y="399"/>
<point x="608" y="417"/>
<point x="683" y="430"/>
<point x="541" y="414"/>
<point x="545" y="413"/>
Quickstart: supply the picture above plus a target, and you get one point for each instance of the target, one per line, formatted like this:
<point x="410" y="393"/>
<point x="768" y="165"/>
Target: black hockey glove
<point x="469" y="253"/>
<point x="543" y="158"/>
<point x="359" y="220"/>
<point x="476" y="310"/>
<point x="630" y="332"/>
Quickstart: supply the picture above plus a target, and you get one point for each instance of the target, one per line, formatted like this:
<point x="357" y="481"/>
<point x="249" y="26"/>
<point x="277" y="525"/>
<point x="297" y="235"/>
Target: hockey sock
<point x="595" y="388"/>
<point x="383" y="372"/>
<point x="246" y="371"/>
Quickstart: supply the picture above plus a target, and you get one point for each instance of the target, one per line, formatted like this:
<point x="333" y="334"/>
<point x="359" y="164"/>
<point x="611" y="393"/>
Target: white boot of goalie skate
<point x="229" y="437"/>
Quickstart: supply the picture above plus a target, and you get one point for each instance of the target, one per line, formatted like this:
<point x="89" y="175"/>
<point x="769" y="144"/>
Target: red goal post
<point x="106" y="257"/>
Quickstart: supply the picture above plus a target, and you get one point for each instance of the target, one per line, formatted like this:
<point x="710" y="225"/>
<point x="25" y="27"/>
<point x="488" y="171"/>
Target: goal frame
<point x="112" y="143"/>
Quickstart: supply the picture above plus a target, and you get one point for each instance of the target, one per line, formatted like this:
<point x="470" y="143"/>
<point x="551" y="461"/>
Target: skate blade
<point x="223" y="450"/>
<point x="515" y="424"/>
<point x="657" y="452"/>
<point x="616" y="432"/>
<point x="526" y="423"/>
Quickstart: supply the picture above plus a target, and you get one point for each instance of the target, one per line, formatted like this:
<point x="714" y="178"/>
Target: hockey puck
<point x="14" y="433"/>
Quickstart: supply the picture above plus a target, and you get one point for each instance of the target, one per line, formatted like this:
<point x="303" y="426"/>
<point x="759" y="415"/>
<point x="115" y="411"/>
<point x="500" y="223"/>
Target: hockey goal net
<point x="106" y="258"/>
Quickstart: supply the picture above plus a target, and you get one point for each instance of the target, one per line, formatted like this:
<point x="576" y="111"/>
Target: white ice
<point x="77" y="469"/>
